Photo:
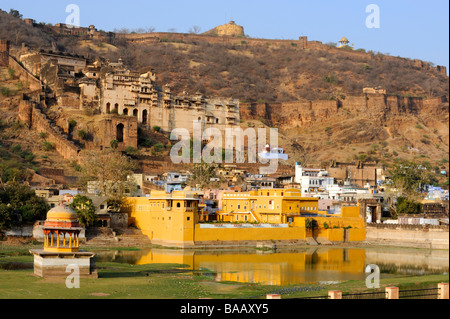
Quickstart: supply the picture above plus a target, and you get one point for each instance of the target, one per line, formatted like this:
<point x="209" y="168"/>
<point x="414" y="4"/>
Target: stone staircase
<point x="118" y="237"/>
<point x="323" y="241"/>
<point x="311" y="241"/>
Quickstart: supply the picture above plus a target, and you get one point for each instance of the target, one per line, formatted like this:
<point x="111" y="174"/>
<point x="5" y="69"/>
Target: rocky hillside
<point x="314" y="96"/>
<point x="245" y="68"/>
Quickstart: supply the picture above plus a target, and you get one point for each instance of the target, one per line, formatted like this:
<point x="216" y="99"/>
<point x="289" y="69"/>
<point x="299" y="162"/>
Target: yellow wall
<point x="161" y="223"/>
<point x="179" y="225"/>
<point x="248" y="234"/>
<point x="350" y="211"/>
<point x="335" y="234"/>
<point x="357" y="234"/>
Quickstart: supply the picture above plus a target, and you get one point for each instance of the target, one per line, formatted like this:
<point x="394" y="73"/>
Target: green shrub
<point x="156" y="128"/>
<point x="408" y="206"/>
<point x="114" y="143"/>
<point x="72" y="124"/>
<point x="5" y="91"/>
<point x="82" y="134"/>
<point x="131" y="150"/>
<point x="47" y="146"/>
<point x="329" y="79"/>
<point x="158" y="147"/>
<point x="16" y="148"/>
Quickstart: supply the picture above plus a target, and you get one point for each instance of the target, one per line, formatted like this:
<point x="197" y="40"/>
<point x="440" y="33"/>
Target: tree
<point x="85" y="210"/>
<point x="195" y="29"/>
<point x="108" y="170"/>
<point x="409" y="178"/>
<point x="19" y="204"/>
<point x="407" y="206"/>
<point x="202" y="174"/>
<point x="15" y="13"/>
<point x="406" y="181"/>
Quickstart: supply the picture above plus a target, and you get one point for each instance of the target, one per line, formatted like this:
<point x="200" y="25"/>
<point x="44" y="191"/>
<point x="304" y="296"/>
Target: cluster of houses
<point x="332" y="194"/>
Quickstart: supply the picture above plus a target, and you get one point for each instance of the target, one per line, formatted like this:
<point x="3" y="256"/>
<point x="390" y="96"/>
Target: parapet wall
<point x="29" y="80"/>
<point x="408" y="236"/>
<point x="302" y="43"/>
<point x="33" y="117"/>
<point x="300" y="112"/>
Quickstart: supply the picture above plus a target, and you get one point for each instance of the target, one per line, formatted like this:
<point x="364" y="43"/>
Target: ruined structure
<point x="124" y="99"/>
<point x="118" y="90"/>
<point x="230" y="29"/>
<point x="4" y="53"/>
<point x="63" y="29"/>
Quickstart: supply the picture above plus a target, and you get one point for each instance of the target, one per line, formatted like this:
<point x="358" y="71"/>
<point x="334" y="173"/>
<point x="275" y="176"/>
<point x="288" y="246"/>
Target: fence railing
<point x="366" y="295"/>
<point x="439" y="292"/>
<point x="429" y="293"/>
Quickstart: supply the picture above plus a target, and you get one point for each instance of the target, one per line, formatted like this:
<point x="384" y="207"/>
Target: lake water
<point x="303" y="266"/>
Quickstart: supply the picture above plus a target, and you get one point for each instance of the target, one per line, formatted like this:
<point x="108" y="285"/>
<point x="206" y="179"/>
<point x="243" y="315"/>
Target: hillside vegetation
<point x="267" y="72"/>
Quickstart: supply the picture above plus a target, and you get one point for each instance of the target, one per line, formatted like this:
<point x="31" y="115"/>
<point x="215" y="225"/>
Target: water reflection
<point x="306" y="266"/>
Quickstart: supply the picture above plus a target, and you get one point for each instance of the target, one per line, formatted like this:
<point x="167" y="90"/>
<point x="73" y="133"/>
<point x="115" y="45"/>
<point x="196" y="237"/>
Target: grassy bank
<point x="170" y="281"/>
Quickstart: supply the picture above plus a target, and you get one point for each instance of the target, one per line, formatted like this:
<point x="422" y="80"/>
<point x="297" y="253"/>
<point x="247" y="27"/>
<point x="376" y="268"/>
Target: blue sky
<point x="414" y="28"/>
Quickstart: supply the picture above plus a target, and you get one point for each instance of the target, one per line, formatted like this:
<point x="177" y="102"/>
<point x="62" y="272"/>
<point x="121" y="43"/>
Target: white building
<point x="312" y="180"/>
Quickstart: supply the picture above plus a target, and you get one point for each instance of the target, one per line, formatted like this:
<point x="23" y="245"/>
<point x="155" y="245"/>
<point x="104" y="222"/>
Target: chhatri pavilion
<point x="61" y="246"/>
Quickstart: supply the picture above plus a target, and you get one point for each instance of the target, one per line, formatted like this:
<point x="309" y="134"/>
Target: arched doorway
<point x="144" y="116"/>
<point x="135" y="112"/>
<point x="125" y="111"/>
<point x="119" y="132"/>
<point x="108" y="107"/>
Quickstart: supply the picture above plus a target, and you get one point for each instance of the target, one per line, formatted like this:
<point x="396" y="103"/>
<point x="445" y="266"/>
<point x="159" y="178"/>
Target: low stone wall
<point x="409" y="227"/>
<point x="433" y="237"/>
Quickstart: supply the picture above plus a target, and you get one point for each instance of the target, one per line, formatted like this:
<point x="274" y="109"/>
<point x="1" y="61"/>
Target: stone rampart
<point x="303" y="112"/>
<point x="29" y="80"/>
<point x="32" y="116"/>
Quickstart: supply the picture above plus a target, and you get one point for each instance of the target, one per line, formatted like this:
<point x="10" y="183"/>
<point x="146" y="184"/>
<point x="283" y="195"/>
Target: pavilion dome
<point x="62" y="213"/>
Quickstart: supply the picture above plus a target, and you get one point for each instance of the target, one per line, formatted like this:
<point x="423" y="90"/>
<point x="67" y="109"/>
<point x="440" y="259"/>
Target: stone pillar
<point x="334" y="294"/>
<point x="392" y="292"/>
<point x="273" y="296"/>
<point x="443" y="290"/>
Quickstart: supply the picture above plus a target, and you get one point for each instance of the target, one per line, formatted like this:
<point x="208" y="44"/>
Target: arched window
<point x="108" y="107"/>
<point x="178" y="205"/>
<point x="119" y="132"/>
<point x="135" y="112"/>
<point x="125" y="111"/>
<point x="144" y="116"/>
